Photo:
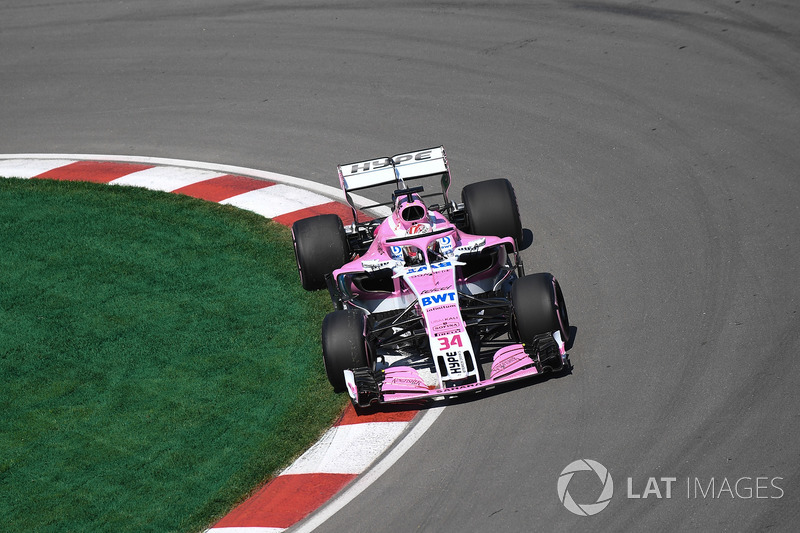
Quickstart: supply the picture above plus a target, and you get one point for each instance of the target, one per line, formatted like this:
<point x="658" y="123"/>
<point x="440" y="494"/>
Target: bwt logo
<point x="438" y="299"/>
<point x="585" y="509"/>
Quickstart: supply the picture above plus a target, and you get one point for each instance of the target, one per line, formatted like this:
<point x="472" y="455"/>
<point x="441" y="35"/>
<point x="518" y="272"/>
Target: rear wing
<point x="395" y="171"/>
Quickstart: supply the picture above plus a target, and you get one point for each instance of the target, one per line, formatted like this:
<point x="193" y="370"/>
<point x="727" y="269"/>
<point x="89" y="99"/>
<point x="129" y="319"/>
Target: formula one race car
<point x="431" y="301"/>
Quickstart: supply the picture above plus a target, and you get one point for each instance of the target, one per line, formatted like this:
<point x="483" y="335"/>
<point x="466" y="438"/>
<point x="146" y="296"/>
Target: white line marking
<point x="368" y="478"/>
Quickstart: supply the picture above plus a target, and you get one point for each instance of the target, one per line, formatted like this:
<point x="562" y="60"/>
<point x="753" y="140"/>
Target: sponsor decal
<point x="373" y="265"/>
<point x="433" y="299"/>
<point x="384" y="162"/>
<point x="510" y="361"/>
<point x="370" y="165"/>
<point x="423" y="268"/>
<point x="437" y="308"/>
<point x="446" y="245"/>
<point x="460" y="387"/>
<point x="445" y="324"/>
<point x="453" y="362"/>
<point x="438" y="289"/>
<point x="407" y="381"/>
<point x="471" y="246"/>
<point x="416" y="156"/>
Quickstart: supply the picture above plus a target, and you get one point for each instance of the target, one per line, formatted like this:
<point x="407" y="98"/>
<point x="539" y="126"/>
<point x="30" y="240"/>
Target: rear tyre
<point x="320" y="247"/>
<point x="539" y="307"/>
<point x="344" y="345"/>
<point x="491" y="208"/>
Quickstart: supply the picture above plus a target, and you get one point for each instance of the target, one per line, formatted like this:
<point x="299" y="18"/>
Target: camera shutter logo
<point x="585" y="509"/>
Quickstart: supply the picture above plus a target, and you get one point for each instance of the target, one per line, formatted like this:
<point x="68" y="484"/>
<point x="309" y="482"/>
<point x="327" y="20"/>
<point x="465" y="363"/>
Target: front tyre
<point x="344" y="344"/>
<point x="539" y="307"/>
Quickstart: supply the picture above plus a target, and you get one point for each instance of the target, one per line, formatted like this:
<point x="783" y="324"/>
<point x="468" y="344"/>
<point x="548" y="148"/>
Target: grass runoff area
<point x="159" y="358"/>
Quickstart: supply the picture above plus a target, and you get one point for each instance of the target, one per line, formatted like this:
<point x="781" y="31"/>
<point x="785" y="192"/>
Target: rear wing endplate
<point x="395" y="170"/>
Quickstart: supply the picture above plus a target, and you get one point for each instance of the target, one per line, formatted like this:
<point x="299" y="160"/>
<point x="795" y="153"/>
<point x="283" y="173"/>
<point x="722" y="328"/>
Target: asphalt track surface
<point x="654" y="147"/>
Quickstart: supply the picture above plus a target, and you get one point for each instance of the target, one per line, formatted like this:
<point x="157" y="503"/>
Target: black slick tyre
<point x="539" y="307"/>
<point x="320" y="247"/>
<point x="344" y="345"/>
<point x="491" y="208"/>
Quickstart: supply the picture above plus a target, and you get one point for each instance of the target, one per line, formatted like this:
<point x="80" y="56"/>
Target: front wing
<point x="405" y="384"/>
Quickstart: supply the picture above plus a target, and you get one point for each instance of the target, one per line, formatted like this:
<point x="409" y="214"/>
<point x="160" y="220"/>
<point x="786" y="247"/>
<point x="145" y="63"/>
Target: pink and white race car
<point x="431" y="300"/>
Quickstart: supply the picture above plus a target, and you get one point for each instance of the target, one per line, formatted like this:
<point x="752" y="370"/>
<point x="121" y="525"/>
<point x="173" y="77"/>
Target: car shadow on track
<point x="527" y="239"/>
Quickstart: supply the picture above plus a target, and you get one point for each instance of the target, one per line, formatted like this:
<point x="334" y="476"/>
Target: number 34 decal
<point x="446" y="343"/>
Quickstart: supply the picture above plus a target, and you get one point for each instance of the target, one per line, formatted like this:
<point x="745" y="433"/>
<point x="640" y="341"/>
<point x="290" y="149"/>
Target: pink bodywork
<point x="434" y="286"/>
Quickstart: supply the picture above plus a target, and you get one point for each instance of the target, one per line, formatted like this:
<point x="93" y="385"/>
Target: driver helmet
<point x="414" y="256"/>
<point x="409" y="210"/>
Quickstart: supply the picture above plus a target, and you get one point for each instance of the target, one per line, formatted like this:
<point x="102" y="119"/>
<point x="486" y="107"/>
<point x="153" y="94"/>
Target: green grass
<point x="159" y="359"/>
